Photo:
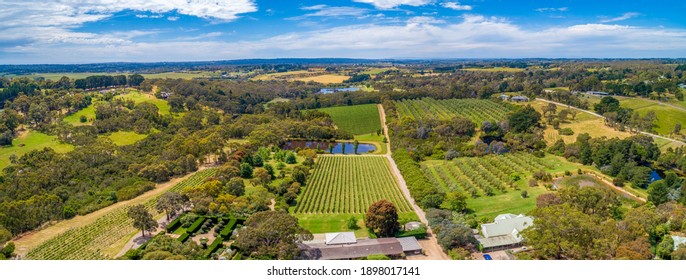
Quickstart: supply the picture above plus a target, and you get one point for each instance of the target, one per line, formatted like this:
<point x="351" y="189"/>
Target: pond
<point x="337" y="147"/>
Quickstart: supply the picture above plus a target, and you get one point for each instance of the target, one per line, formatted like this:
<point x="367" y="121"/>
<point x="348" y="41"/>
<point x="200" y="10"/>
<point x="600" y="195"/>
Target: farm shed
<point x="520" y="98"/>
<point x="410" y="245"/>
<point x="338" y="238"/>
<point x="504" y="231"/>
<point x="601" y="93"/>
<point x="361" y="249"/>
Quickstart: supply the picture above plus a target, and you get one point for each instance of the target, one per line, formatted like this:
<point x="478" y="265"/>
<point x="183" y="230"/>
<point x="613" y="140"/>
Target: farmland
<point x="89" y="241"/>
<point x="138" y="97"/>
<point x="487" y="180"/>
<point x="474" y="109"/>
<point x="349" y="184"/>
<point x="324" y="79"/>
<point x="358" y="119"/>
<point x="123" y="138"/>
<point x="667" y="117"/>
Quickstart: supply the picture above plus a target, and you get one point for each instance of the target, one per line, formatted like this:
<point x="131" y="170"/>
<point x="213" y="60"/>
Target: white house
<point x="504" y="232"/>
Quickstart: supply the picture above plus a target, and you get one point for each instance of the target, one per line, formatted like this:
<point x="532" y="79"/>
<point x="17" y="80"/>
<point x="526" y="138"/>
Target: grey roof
<point x="507" y="224"/>
<point x="340" y="238"/>
<point x="363" y="248"/>
<point x="497" y="241"/>
<point x="409" y="244"/>
<point x="519" y="97"/>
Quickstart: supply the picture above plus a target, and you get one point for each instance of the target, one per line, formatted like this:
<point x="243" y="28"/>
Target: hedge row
<point x="184" y="237"/>
<point x="228" y="229"/>
<point x="216" y="244"/>
<point x="419" y="233"/>
<point x="176" y="223"/>
<point x="419" y="186"/>
<point x="194" y="227"/>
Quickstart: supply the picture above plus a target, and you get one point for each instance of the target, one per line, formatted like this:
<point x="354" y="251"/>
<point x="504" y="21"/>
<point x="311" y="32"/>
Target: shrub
<point x="378" y="257"/>
<point x="184" y="237"/>
<point x="216" y="244"/>
<point x="194" y="227"/>
<point x="525" y="194"/>
<point x="228" y="229"/>
<point x="188" y="219"/>
<point x="83" y="119"/>
<point x="419" y="233"/>
<point x="566" y="131"/>
<point x="175" y="224"/>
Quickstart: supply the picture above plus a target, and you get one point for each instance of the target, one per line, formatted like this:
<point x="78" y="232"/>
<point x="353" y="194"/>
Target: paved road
<point x="431" y="248"/>
<point x="600" y="116"/>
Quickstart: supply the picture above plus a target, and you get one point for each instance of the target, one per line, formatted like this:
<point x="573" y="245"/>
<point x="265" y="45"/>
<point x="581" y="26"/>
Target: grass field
<point x="667" y="117"/>
<point x="139" y="97"/>
<point x="170" y="75"/>
<point x="349" y="185"/>
<point x="312" y="75"/>
<point x="32" y="140"/>
<point x="480" y="176"/>
<point x="75" y="118"/>
<point x="93" y="235"/>
<point x="325" y="223"/>
<point x="123" y="138"/>
<point x="357" y="119"/>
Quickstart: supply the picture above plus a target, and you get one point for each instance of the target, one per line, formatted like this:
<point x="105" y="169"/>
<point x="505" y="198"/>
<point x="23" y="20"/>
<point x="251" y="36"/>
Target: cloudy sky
<point x="85" y="31"/>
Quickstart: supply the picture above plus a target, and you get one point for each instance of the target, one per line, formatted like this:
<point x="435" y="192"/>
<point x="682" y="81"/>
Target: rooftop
<point x="409" y="244"/>
<point x="340" y="238"/>
<point x="363" y="248"/>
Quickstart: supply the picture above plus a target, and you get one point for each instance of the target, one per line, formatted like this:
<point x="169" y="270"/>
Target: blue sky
<point x="85" y="31"/>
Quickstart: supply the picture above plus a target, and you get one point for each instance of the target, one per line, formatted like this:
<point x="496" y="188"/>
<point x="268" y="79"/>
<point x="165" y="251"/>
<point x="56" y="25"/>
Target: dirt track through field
<point x="430" y="245"/>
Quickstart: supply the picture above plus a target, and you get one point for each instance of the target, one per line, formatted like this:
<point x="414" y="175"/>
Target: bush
<point x="194" y="227"/>
<point x="83" y="119"/>
<point x="228" y="229"/>
<point x="175" y="224"/>
<point x="378" y="257"/>
<point x="419" y="233"/>
<point x="216" y="244"/>
<point x="188" y="219"/>
<point x="566" y="131"/>
<point x="525" y="194"/>
<point x="184" y="237"/>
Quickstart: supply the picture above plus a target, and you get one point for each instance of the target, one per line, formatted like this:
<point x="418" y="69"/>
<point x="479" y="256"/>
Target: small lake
<point x="338" y="147"/>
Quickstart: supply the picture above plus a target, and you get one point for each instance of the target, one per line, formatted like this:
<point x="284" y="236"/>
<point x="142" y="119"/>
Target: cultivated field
<point x="487" y="180"/>
<point x="89" y="241"/>
<point x="476" y="110"/>
<point x="357" y="119"/>
<point x="350" y="184"/>
<point x="28" y="141"/>
<point x="325" y="79"/>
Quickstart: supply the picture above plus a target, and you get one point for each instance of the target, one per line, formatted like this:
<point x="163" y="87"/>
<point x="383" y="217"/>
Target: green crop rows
<point x="489" y="175"/>
<point x="476" y="110"/>
<point x="357" y="119"/>
<point x="87" y="242"/>
<point x="350" y="184"/>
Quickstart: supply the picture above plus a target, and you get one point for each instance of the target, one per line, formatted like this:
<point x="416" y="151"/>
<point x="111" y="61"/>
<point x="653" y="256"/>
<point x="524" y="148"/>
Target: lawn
<point x="123" y="138"/>
<point x="667" y="117"/>
<point x="32" y="140"/>
<point x="326" y="223"/>
<point x="357" y="119"/>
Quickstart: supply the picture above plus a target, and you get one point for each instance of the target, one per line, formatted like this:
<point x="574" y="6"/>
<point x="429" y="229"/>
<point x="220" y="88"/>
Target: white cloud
<point x="390" y="4"/>
<point x="625" y="16"/>
<point x="456" y="6"/>
<point x="326" y="11"/>
<point x="472" y="36"/>
<point x="562" y="9"/>
<point x="54" y="21"/>
<point x="172" y="18"/>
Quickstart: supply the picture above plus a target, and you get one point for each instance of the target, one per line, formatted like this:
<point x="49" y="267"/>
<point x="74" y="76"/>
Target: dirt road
<point x="430" y="245"/>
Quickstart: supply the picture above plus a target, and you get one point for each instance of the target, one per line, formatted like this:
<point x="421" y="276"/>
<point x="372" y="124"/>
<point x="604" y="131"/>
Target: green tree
<point x="142" y="219"/>
<point x="665" y="248"/>
<point x="382" y="218"/>
<point x="658" y="192"/>
<point x="356" y="144"/>
<point x="561" y="232"/>
<point x="171" y="203"/>
<point x="246" y="170"/>
<point x="456" y="201"/>
<point x="352" y="223"/>
<point x="271" y="235"/>
<point x="524" y="119"/>
<point x="235" y="186"/>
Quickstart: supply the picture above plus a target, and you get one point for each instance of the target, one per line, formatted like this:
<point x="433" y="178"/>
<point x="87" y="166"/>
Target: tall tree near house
<point x="382" y="218"/>
<point x="271" y="235"/>
<point x="142" y="219"/>
<point x="170" y="203"/>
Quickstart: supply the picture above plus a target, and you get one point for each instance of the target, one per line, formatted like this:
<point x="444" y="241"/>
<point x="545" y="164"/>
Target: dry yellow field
<point x="325" y="79"/>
